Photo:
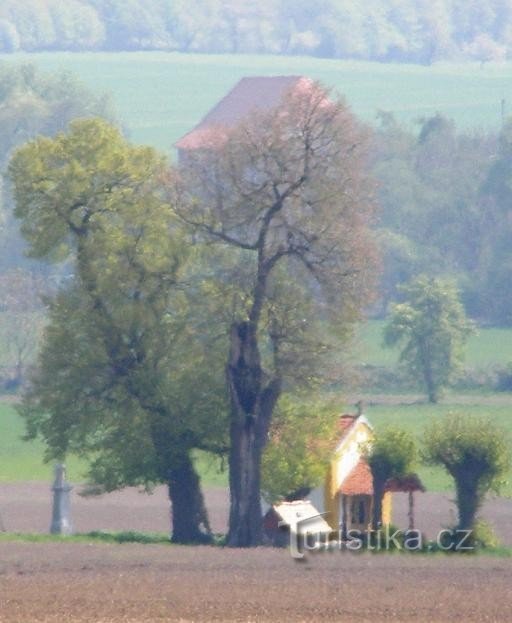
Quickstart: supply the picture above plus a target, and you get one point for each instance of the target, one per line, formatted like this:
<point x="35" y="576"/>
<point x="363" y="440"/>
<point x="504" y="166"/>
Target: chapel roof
<point x="252" y="93"/>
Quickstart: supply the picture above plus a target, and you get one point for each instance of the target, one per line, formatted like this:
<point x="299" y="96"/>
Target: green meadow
<point x="487" y="347"/>
<point x="22" y="461"/>
<point x="159" y="96"/>
<point x="416" y="417"/>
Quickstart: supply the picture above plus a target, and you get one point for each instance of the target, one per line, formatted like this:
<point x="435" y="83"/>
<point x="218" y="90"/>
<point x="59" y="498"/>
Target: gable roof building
<point x="347" y="496"/>
<point x="255" y="93"/>
<point x="348" y="492"/>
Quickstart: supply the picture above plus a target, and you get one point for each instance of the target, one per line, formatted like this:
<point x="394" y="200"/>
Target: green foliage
<point x="146" y="538"/>
<point x="475" y="452"/>
<point x="392" y="454"/>
<point x="432" y="329"/>
<point x="78" y="183"/>
<point x="299" y="448"/>
<point x="23" y="461"/>
<point x="485" y="536"/>
<point x="120" y="355"/>
<point x="33" y="103"/>
<point x="129" y="536"/>
<point x="413" y="417"/>
<point x="431" y="197"/>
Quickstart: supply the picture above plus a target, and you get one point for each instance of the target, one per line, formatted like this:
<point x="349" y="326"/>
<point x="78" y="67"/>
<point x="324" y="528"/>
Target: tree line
<point x="444" y="197"/>
<point x="381" y="30"/>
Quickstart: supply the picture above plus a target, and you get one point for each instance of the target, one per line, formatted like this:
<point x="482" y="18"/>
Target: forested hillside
<point x="423" y="31"/>
<point x="445" y="198"/>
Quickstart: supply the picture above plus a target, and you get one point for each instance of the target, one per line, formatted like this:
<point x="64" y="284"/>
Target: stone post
<point x="61" y="519"/>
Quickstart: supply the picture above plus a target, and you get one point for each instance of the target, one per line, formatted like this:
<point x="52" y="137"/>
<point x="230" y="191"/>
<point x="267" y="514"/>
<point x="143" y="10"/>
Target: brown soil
<point x="26" y="507"/>
<point x="71" y="583"/>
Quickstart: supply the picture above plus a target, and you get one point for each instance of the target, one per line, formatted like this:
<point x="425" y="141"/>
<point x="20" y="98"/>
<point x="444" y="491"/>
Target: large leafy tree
<point x="286" y="196"/>
<point x="431" y="328"/>
<point x="476" y="453"/>
<point x="300" y="445"/>
<point x="123" y="377"/>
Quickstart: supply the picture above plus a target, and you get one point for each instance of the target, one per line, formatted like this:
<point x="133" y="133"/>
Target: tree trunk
<point x="252" y="404"/>
<point x="378" y="496"/>
<point x="428" y="376"/>
<point x="189" y="517"/>
<point x="429" y="383"/>
<point x="468" y="503"/>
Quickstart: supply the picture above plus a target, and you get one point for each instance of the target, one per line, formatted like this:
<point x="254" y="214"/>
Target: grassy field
<point x="487" y="347"/>
<point x="416" y="417"/>
<point x="22" y="461"/>
<point x="159" y="96"/>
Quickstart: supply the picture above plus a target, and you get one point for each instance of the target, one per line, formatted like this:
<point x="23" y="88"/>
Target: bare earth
<point x="101" y="583"/>
<point x="71" y="583"/>
<point x="26" y="507"/>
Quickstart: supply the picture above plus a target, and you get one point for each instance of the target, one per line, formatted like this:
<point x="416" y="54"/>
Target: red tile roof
<point x="346" y="420"/>
<point x="359" y="481"/>
<point x="249" y="94"/>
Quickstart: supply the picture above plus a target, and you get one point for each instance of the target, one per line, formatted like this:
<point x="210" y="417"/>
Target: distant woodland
<point x="422" y="31"/>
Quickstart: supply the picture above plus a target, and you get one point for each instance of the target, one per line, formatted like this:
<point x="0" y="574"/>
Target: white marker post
<point x="61" y="520"/>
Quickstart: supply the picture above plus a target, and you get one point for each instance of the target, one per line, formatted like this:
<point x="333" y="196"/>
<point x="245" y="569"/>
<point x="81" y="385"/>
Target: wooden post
<point x="411" y="510"/>
<point x="343" y="516"/>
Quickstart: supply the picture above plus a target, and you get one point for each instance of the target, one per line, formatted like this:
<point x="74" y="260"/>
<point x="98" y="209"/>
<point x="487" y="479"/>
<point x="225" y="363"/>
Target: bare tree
<point x="286" y="194"/>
